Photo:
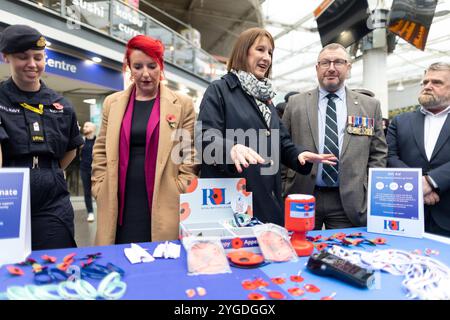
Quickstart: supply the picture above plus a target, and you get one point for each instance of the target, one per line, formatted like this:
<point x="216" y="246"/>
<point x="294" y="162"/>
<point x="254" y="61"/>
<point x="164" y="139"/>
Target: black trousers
<point x="86" y="179"/>
<point x="329" y="210"/>
<point x="52" y="216"/>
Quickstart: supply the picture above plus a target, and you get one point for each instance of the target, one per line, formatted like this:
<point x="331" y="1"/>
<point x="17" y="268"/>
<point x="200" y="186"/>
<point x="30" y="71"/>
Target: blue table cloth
<point x="167" y="279"/>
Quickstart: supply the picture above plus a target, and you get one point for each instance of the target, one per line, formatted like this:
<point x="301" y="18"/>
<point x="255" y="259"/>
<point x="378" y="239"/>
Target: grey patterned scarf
<point x="260" y="90"/>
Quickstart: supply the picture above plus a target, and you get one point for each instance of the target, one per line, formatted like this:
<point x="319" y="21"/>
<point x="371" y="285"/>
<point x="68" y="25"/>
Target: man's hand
<point x="426" y="187"/>
<point x="431" y="199"/>
<point x="242" y="155"/>
<point x="328" y="158"/>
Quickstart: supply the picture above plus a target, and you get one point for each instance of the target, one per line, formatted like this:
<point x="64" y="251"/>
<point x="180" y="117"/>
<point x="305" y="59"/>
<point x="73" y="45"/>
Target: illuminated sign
<point x="411" y="20"/>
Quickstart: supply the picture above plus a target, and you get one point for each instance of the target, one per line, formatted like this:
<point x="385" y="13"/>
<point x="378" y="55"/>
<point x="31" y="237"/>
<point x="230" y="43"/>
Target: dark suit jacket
<point x="407" y="150"/>
<point x="225" y="105"/>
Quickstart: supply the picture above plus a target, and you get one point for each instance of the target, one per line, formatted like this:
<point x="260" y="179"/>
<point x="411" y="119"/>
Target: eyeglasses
<point x="338" y="63"/>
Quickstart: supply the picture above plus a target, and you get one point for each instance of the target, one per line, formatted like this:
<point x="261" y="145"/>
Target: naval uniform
<point x="36" y="130"/>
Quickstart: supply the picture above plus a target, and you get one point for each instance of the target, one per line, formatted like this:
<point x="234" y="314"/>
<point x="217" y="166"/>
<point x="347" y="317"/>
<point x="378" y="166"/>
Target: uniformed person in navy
<point x="38" y="130"/>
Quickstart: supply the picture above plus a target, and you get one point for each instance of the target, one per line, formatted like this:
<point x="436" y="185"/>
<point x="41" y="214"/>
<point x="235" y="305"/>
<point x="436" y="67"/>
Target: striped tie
<point x="330" y="173"/>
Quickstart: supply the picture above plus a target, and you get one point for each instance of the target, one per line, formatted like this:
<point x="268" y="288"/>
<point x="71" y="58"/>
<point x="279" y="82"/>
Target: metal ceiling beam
<point x="294" y="26"/>
<point x="212" y="14"/>
<point x="191" y="5"/>
<point x="277" y="24"/>
<point x="359" y="77"/>
<point x="312" y="45"/>
<point x="165" y="13"/>
<point x="226" y="30"/>
<point x="252" y="10"/>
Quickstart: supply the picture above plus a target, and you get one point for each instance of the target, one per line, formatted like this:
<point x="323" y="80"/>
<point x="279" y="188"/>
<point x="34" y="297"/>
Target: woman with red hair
<point x="136" y="178"/>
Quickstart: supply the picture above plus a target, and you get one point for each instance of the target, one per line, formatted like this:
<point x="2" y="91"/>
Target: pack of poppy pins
<point x="219" y="208"/>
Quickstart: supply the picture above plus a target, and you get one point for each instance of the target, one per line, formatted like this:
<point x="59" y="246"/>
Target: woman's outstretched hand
<point x="242" y="155"/>
<point x="327" y="158"/>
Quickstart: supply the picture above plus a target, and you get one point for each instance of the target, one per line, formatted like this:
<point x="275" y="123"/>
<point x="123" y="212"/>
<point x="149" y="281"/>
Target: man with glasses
<point x="421" y="139"/>
<point x="334" y="119"/>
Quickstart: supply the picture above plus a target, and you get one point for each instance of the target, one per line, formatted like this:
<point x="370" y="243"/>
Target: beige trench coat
<point x="171" y="178"/>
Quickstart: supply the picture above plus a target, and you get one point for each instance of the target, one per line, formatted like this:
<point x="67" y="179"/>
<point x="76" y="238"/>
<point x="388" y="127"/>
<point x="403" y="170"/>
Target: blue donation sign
<point x="11" y="187"/>
<point x="395" y="194"/>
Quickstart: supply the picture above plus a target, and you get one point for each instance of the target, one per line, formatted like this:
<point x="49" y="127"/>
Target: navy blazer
<point x="405" y="140"/>
<point x="225" y="105"/>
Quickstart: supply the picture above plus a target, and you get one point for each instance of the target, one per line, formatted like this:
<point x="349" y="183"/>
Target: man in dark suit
<point x="334" y="119"/>
<point x="421" y="139"/>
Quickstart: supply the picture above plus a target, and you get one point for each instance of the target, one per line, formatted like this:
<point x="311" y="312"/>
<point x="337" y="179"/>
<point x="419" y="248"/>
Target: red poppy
<point x="94" y="255"/>
<point x="330" y="297"/>
<point x="339" y="235"/>
<point x="185" y="211"/>
<point x="58" y="106"/>
<point x="297" y="278"/>
<point x="87" y="263"/>
<point x="379" y="241"/>
<point x="278" y="280"/>
<point x="69" y="257"/>
<point x="237" y="243"/>
<point x="192" y="185"/>
<point x="355" y="235"/>
<point x="190" y="293"/>
<point x="393" y="225"/>
<point x="63" y="266"/>
<point x="256" y="296"/>
<point x="347" y="242"/>
<point x="201" y="291"/>
<point x="171" y="120"/>
<point x="249" y="285"/>
<point x="321" y="246"/>
<point x="15" y="271"/>
<point x="241" y="187"/>
<point x="48" y="258"/>
<point x="276" y="295"/>
<point x="296" y="291"/>
<point x="218" y="196"/>
<point x="317" y="238"/>
<point x="311" y="288"/>
<point x="261" y="283"/>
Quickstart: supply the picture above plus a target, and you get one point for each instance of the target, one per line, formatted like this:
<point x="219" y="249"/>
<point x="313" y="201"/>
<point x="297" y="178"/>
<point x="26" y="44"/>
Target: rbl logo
<point x="392" y="225"/>
<point x="216" y="196"/>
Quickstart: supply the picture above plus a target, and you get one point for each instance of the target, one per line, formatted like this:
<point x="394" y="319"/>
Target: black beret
<point x="20" y="38"/>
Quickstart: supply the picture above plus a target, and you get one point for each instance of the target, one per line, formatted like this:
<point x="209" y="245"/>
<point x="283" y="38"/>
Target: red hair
<point x="151" y="47"/>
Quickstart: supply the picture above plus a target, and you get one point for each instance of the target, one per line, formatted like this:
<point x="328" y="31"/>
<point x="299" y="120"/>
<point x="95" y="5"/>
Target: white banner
<point x="15" y="215"/>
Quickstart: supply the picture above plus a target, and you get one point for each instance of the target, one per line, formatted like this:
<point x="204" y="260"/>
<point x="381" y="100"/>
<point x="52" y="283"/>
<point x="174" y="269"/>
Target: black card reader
<point x="327" y="264"/>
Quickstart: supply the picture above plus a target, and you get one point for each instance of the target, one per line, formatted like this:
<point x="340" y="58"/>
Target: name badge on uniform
<point x="37" y="133"/>
<point x="361" y="126"/>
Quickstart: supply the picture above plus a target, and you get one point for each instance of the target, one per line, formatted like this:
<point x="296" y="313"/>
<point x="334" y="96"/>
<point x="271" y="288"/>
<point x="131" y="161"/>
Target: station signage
<point x="67" y="66"/>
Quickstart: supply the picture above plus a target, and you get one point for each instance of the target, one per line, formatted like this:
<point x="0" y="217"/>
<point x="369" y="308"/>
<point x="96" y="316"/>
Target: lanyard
<point x="39" y="110"/>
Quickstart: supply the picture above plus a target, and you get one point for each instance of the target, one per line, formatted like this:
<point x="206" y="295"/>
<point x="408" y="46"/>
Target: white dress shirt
<point x="432" y="128"/>
<point x="341" y="117"/>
